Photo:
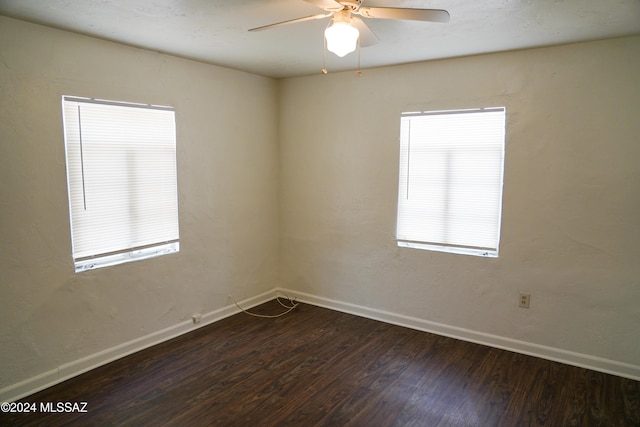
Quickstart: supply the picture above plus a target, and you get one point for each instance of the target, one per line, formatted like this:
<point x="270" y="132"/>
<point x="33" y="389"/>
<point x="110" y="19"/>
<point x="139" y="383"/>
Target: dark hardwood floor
<point x="318" y="367"/>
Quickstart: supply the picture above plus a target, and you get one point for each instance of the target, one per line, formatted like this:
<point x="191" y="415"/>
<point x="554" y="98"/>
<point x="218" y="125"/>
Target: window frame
<point x="153" y="221"/>
<point x="405" y="219"/>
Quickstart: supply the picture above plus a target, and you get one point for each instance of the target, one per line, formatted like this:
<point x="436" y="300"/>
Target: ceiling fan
<point x="345" y="30"/>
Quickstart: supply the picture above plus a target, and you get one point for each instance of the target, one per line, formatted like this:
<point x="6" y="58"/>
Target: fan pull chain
<point x="324" y="51"/>
<point x="358" y="72"/>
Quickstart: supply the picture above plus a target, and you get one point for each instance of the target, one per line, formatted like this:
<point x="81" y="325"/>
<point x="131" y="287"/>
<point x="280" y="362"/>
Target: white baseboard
<point x="550" y="353"/>
<point x="77" y="367"/>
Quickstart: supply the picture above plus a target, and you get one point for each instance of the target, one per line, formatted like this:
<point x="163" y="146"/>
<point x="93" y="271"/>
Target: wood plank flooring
<point x="318" y="367"/>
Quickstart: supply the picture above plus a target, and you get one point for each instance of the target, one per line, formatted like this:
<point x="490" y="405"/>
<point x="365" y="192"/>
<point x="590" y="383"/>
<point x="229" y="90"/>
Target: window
<point x="122" y="181"/>
<point x="450" y="185"/>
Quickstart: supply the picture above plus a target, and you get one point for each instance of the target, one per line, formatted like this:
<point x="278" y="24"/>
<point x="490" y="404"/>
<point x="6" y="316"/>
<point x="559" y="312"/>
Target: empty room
<point x="216" y="213"/>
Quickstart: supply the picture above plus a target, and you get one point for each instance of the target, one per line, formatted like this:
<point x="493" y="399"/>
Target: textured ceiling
<point x="215" y="31"/>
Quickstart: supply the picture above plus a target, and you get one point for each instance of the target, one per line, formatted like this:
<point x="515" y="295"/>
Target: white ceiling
<point x="215" y="31"/>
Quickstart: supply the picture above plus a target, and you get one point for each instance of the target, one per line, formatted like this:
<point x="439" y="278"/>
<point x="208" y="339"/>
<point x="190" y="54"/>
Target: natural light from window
<point x="122" y="181"/>
<point x="450" y="181"/>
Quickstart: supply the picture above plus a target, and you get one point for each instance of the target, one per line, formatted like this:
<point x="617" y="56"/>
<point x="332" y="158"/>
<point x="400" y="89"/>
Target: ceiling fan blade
<point x="326" y="4"/>
<point x="291" y="21"/>
<point x="367" y="37"/>
<point x="430" y="15"/>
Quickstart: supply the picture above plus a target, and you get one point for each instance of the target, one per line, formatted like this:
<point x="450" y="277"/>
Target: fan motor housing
<point x="350" y="4"/>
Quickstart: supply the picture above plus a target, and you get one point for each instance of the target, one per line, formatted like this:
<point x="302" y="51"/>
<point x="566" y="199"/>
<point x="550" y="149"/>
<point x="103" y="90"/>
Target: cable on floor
<point x="291" y="305"/>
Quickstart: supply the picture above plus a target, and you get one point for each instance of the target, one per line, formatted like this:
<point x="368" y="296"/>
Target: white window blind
<point x="450" y="183"/>
<point x="122" y="181"/>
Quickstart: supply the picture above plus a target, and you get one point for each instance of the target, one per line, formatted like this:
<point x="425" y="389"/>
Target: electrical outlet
<point x="525" y="300"/>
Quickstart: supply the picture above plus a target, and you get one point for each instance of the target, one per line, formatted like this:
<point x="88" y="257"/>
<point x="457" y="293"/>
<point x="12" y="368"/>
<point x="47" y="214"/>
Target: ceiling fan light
<point x="342" y="38"/>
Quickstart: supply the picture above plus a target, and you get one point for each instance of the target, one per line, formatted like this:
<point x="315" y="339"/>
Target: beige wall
<point x="571" y="205"/>
<point x="227" y="175"/>
<point x="309" y="184"/>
